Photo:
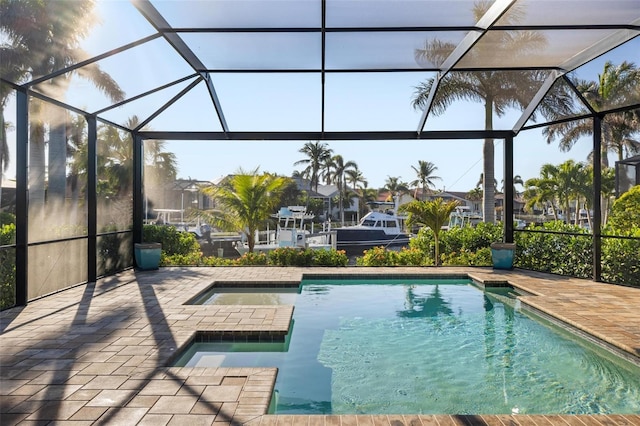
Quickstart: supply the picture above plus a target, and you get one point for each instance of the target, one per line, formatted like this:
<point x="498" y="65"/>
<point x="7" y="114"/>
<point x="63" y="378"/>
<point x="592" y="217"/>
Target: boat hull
<point x="356" y="241"/>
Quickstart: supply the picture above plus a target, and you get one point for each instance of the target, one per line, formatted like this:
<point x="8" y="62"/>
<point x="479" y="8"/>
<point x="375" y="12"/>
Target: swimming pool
<point x="414" y="346"/>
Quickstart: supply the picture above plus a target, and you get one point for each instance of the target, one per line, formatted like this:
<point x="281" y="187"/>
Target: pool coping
<point x="113" y="367"/>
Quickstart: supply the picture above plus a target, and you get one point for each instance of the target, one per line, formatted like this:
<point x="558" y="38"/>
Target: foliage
<point x="620" y="259"/>
<point x="288" y="256"/>
<point x="252" y="259"/>
<point x="7" y="218"/>
<point x="433" y="214"/>
<point x="7" y="267"/>
<point x="461" y="246"/>
<point x="114" y="251"/>
<point x="379" y="256"/>
<point x="481" y="257"/>
<point x="471" y="238"/>
<point x="329" y="258"/>
<point x="283" y="256"/>
<point x="172" y="240"/>
<point x="625" y="212"/>
<point x="555" y="252"/>
<point x="246" y="203"/>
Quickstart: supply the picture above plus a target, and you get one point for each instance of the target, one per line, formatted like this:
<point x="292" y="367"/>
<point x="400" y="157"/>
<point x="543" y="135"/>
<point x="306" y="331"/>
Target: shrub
<point x="481" y="257"/>
<point x="7" y="218"/>
<point x="289" y="256"/>
<point x="554" y="252"/>
<point x="7" y="267"/>
<point x="252" y="259"/>
<point x="329" y="258"/>
<point x="378" y="256"/>
<point x="173" y="241"/>
<point x="621" y="259"/>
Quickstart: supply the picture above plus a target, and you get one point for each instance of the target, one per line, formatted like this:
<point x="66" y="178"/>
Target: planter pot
<point x="502" y="255"/>
<point x="147" y="255"/>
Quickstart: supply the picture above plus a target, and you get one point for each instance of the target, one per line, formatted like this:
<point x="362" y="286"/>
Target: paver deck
<point x="99" y="353"/>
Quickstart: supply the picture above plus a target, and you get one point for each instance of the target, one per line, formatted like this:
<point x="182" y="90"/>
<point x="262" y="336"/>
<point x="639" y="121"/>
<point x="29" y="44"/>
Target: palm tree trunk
<point x="57" y="156"/>
<point x="488" y="152"/>
<point x="3" y="148"/>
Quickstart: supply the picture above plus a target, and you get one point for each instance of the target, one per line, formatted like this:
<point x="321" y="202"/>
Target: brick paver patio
<point x="100" y="353"/>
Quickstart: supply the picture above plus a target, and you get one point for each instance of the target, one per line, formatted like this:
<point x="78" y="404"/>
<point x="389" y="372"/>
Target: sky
<point x="292" y="102"/>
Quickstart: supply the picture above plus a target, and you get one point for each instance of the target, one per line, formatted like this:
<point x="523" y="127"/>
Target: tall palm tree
<point x="38" y="50"/>
<point x="246" y="203"/>
<point x="425" y="179"/>
<point x="517" y="180"/>
<point x="339" y="169"/>
<point x="498" y="90"/>
<point x="433" y="214"/>
<point x="616" y="86"/>
<point x="395" y="186"/>
<point x="557" y="185"/>
<point x="318" y="154"/>
<point x="359" y="183"/>
<point x="4" y="150"/>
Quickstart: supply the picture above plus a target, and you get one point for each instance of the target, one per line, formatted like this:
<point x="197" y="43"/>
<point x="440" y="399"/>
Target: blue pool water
<point x="412" y="346"/>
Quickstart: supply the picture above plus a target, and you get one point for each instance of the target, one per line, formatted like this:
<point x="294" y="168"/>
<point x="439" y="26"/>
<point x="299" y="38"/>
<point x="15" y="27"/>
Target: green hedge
<point x="285" y="256"/>
<point x="173" y="241"/>
<point x="7" y="266"/>
<point x="558" y="249"/>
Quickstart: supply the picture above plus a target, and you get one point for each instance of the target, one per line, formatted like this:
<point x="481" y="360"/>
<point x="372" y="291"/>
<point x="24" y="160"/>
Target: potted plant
<point x="502" y="255"/>
<point x="147" y="255"/>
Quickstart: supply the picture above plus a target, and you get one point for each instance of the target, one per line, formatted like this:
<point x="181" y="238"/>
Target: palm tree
<point x="4" y="149"/>
<point x="424" y="171"/>
<point x="318" y="154"/>
<point x="498" y="90"/>
<point x="557" y="185"/>
<point x="540" y="192"/>
<point x="38" y="51"/>
<point x="395" y="186"/>
<point x="616" y="86"/>
<point x="161" y="169"/>
<point x="246" y="203"/>
<point x="475" y="195"/>
<point x="339" y="169"/>
<point x="517" y="180"/>
<point x="433" y="214"/>
<point x="358" y="183"/>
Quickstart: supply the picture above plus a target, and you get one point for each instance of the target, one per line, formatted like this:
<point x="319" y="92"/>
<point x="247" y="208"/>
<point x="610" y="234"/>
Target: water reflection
<point x="420" y="306"/>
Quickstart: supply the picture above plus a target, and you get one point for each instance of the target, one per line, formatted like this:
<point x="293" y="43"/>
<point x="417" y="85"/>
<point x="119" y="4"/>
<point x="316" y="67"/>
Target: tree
<point x="44" y="37"/>
<point x="433" y="214"/>
<point x="355" y="177"/>
<point x="339" y="169"/>
<point x="395" y="186"/>
<point x="616" y="86"/>
<point x="318" y="154"/>
<point x="498" y="90"/>
<point x="246" y="202"/>
<point x="160" y="170"/>
<point x="557" y="185"/>
<point x="425" y="179"/>
<point x="625" y="212"/>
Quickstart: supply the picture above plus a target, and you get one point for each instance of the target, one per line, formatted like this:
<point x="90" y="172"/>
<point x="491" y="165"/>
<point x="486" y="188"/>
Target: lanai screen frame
<point x="172" y="36"/>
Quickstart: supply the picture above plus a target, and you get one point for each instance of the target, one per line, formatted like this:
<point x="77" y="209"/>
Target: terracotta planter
<point x="147" y="255"/>
<point x="502" y="255"/>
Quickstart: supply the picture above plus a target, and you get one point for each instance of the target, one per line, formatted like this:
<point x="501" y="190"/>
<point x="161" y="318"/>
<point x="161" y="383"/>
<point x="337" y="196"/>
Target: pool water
<point x="412" y="346"/>
<point x="248" y="296"/>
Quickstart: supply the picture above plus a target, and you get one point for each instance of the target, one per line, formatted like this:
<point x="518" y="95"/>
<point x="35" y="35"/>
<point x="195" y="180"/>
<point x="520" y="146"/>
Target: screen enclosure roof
<point x="344" y="69"/>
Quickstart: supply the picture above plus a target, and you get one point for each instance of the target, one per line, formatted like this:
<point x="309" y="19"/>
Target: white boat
<point x="380" y="227"/>
<point x="291" y="231"/>
<point x="462" y="217"/>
